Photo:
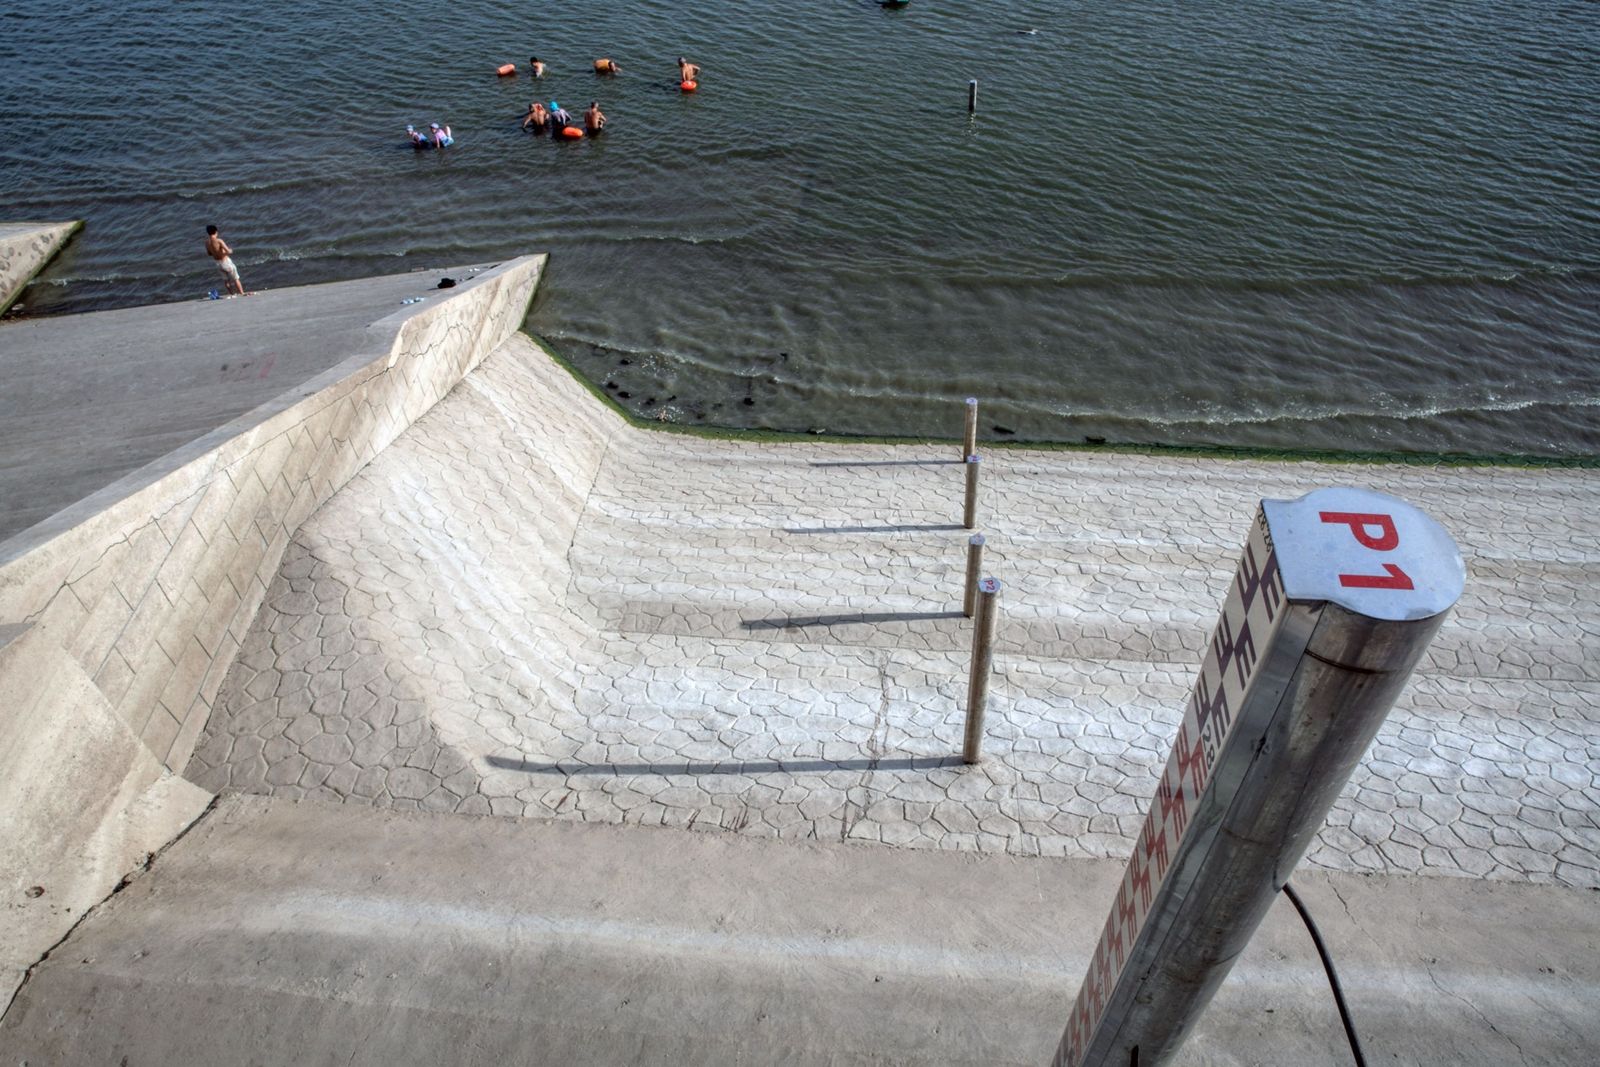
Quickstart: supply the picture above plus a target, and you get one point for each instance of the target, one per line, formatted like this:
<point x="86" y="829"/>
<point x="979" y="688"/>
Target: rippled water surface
<point x="1335" y="224"/>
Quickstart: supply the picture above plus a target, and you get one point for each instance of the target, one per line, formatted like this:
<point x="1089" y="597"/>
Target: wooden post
<point x="972" y="95"/>
<point x="982" y="667"/>
<point x="969" y="511"/>
<point x="969" y="440"/>
<point x="974" y="567"/>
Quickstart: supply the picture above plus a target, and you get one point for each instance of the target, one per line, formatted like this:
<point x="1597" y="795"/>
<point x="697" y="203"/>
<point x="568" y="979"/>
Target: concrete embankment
<point x="25" y="249"/>
<point x="524" y="606"/>
<point x="528" y="607"/>
<point x="126" y="607"/>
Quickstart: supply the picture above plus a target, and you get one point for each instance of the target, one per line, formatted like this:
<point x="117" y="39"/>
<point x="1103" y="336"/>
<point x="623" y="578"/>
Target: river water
<point x="1334" y="224"/>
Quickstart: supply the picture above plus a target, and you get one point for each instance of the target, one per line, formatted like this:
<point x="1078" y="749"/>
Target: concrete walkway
<point x="525" y="607"/>
<point x="90" y="398"/>
<point x="283" y="932"/>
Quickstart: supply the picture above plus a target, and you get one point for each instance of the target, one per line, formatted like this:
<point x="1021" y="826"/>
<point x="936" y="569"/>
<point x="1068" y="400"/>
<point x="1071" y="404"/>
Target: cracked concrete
<point x="525" y="608"/>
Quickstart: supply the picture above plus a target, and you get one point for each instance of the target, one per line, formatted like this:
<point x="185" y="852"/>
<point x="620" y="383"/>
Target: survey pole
<point x="969" y="597"/>
<point x="1336" y="597"/>
<point x="969" y="502"/>
<point x="982" y="668"/>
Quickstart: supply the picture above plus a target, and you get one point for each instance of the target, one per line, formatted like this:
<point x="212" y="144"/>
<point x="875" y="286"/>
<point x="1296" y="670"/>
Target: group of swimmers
<point x="554" y="118"/>
<point x="557" y="119"/>
<point x="436" y="136"/>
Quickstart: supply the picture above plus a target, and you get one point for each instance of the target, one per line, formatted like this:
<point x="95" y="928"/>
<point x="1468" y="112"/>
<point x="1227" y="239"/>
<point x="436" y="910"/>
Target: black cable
<point x="1333" y="976"/>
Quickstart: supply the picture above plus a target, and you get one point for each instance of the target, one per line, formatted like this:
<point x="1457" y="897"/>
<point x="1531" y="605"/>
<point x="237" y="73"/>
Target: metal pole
<point x="974" y="566"/>
<point x="982" y="665"/>
<point x="972" y="95"/>
<point x="1336" y="598"/>
<point x="969" y="510"/>
<point x="969" y="440"/>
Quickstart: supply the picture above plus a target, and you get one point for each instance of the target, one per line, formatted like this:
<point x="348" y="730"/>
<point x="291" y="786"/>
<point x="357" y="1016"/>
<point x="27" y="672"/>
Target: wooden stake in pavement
<point x="982" y="667"/>
<point x="969" y="511"/>
<point x="969" y="599"/>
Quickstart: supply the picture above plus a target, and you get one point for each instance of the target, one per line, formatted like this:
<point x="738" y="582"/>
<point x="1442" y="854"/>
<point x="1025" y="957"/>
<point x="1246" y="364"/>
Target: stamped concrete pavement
<point x="524" y="607"/>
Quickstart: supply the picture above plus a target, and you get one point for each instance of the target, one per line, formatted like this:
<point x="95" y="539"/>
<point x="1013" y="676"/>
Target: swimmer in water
<point x="441" y="135"/>
<point x="536" y="66"/>
<point x="606" y="66"/>
<point x="560" y="119"/>
<point x="537" y="118"/>
<point x="418" y="138"/>
<point x="594" y="120"/>
<point x="687" y="71"/>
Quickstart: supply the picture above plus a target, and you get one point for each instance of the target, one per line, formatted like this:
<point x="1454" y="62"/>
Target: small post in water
<point x="969" y="511"/>
<point x="974" y="566"/>
<point x="982" y="666"/>
<point x="972" y="95"/>
<point x="969" y="440"/>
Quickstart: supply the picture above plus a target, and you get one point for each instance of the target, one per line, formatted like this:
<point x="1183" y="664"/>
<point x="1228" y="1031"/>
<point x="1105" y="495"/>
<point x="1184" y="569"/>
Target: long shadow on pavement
<point x="784" y="622"/>
<point x="907" y="763"/>
<point x="873" y="529"/>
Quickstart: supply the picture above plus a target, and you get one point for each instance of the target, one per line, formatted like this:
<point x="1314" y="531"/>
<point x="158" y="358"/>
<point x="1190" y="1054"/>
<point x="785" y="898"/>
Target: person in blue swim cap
<point x="560" y="118"/>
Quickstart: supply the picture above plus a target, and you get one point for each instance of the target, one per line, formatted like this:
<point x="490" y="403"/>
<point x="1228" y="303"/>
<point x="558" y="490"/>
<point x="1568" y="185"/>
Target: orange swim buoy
<point x="688" y="87"/>
<point x="571" y="133"/>
<point x="505" y="70"/>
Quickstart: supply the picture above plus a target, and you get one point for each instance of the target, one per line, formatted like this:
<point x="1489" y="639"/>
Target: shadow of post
<point x="695" y="767"/>
<point x="865" y="618"/>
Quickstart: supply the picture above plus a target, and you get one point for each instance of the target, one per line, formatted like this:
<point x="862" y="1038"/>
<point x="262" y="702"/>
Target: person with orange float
<point x="606" y="66"/>
<point x="562" y="124"/>
<point x="688" y="75"/>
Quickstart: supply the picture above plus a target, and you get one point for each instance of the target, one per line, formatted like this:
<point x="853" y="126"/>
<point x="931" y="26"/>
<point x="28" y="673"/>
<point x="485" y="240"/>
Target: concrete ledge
<point x="151" y="582"/>
<point x="25" y="248"/>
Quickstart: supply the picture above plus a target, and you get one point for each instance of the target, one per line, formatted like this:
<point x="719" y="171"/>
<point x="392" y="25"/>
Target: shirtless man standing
<point x="687" y="71"/>
<point x="218" y="250"/>
<point x="594" y="120"/>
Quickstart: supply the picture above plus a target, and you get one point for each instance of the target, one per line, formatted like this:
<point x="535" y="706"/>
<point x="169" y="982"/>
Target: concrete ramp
<point x="297" y="932"/>
<point x="91" y="398"/>
<point x="25" y="249"/>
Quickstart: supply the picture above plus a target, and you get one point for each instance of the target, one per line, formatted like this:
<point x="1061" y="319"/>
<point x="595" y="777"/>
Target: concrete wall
<point x="25" y="247"/>
<point x="120" y="616"/>
<point x="91" y="798"/>
<point x="151" y="591"/>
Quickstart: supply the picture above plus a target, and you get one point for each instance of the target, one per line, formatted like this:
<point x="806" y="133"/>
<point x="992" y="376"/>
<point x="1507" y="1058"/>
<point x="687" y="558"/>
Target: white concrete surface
<point x="81" y="800"/>
<point x="280" y="932"/>
<point x="526" y="608"/>
<point x="91" y="398"/>
<point x="151" y="582"/>
<point x="25" y="249"/>
<point x="121" y="614"/>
